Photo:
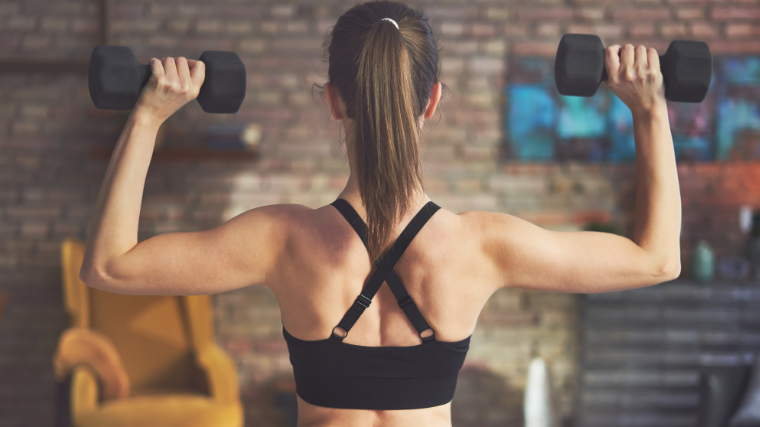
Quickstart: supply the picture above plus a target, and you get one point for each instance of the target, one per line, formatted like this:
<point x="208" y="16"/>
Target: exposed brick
<point x="735" y="47"/>
<point x="34" y="111"/>
<point x="485" y="65"/>
<point x="200" y="44"/>
<point x="162" y="41"/>
<point x="451" y="66"/>
<point x="595" y="2"/>
<point x="283" y="10"/>
<point x="19" y="212"/>
<point x="641" y="30"/>
<point x="508" y="319"/>
<point x="697" y="1"/>
<point x="644" y="14"/>
<point x="25" y="128"/>
<point x="84" y="26"/>
<point x="22" y="23"/>
<point x="297" y="27"/>
<point x="515" y="30"/>
<point x="534" y="49"/>
<point x="9" y="9"/>
<point x="34" y="229"/>
<point x="75" y="46"/>
<point x="673" y="30"/>
<point x="188" y="10"/>
<point x="590" y="13"/>
<point x="467" y="185"/>
<point x="497" y="13"/>
<point x="482" y="30"/>
<point x="239" y="27"/>
<point x="464" y="47"/>
<point x="269" y="27"/>
<point x="496" y="47"/>
<point x="52" y="24"/>
<point x="517" y="184"/>
<point x="137" y="25"/>
<point x="208" y="26"/>
<point x="160" y="10"/>
<point x="296" y="45"/>
<point x="28" y="162"/>
<point x="452" y="28"/>
<point x="548" y="13"/>
<point x="179" y="26"/>
<point x="129" y="10"/>
<point x="547" y="29"/>
<point x="602" y="30"/>
<point x="689" y="13"/>
<point x="727" y="13"/>
<point x="734" y="31"/>
<point x="439" y="12"/>
<point x="704" y="30"/>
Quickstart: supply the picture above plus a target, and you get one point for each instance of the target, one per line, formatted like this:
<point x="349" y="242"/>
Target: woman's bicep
<point x="531" y="257"/>
<point x="236" y="254"/>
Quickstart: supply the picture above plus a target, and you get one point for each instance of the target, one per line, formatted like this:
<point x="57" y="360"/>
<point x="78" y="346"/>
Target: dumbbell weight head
<point x="686" y="67"/>
<point x="579" y="64"/>
<point x="223" y="89"/>
<point x="686" y="70"/>
<point x="116" y="79"/>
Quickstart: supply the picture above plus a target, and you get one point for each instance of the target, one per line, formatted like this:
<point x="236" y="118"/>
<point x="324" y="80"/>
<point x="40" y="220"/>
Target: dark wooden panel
<point x="44" y="65"/>
<point x="184" y="154"/>
<point x="643" y="350"/>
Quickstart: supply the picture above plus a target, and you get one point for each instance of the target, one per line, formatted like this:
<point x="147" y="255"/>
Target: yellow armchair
<point x="179" y="376"/>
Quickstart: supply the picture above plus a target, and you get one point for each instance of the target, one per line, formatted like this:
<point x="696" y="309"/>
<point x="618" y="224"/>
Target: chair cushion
<point x="748" y="414"/>
<point x="175" y="410"/>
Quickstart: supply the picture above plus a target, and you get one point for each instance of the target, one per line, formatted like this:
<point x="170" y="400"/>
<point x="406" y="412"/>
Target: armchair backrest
<point x="155" y="335"/>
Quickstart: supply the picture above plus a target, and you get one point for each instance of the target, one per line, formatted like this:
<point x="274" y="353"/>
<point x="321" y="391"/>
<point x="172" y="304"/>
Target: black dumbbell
<point x="116" y="79"/>
<point x="686" y="67"/>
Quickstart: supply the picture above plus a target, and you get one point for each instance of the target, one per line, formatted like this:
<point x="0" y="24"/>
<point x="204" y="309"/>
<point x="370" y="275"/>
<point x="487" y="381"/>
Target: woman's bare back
<point x="323" y="269"/>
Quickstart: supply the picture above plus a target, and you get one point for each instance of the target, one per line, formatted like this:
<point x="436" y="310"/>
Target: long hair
<point x="385" y="77"/>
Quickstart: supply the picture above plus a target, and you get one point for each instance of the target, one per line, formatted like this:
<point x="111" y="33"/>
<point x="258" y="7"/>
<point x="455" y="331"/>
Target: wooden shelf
<point x="183" y="154"/>
<point x="44" y="65"/>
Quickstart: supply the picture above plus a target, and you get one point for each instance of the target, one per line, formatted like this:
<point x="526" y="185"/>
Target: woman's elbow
<point x="93" y="276"/>
<point x="669" y="271"/>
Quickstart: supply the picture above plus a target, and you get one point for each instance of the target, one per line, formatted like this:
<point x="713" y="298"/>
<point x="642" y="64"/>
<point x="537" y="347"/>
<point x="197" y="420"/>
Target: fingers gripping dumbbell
<point x="686" y="67"/>
<point x="116" y="79"/>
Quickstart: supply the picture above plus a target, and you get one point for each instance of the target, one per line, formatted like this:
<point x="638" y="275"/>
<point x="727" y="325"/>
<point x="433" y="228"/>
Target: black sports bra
<point x="335" y="374"/>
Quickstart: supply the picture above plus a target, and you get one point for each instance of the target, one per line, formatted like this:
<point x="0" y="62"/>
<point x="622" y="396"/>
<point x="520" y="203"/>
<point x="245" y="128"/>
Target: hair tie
<point x="389" y="19"/>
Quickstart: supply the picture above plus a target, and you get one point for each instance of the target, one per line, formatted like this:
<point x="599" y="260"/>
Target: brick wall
<point x="49" y="183"/>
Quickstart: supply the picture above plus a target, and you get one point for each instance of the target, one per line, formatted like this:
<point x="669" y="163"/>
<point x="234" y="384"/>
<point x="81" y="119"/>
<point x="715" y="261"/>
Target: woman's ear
<point x="435" y="96"/>
<point x="333" y="100"/>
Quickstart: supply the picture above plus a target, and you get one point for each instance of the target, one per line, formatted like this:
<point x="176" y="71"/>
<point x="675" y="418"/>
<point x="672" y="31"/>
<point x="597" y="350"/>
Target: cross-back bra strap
<point x="353" y="218"/>
<point x="385" y="270"/>
<point x="405" y="301"/>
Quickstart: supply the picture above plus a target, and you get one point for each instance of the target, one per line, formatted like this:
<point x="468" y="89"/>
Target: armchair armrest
<point x="84" y="392"/>
<point x="220" y="371"/>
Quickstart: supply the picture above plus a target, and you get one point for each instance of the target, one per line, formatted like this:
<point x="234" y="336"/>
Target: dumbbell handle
<point x="145" y="73"/>
<point x="604" y="70"/>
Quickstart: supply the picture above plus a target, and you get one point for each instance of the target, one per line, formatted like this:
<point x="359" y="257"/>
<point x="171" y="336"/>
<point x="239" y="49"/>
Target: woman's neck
<point x="352" y="195"/>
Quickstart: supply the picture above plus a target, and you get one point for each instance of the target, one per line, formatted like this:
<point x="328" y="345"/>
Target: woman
<point x="383" y="85"/>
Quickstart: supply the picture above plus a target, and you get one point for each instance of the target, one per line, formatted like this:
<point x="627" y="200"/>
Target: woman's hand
<point x="172" y="85"/>
<point x="635" y="77"/>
